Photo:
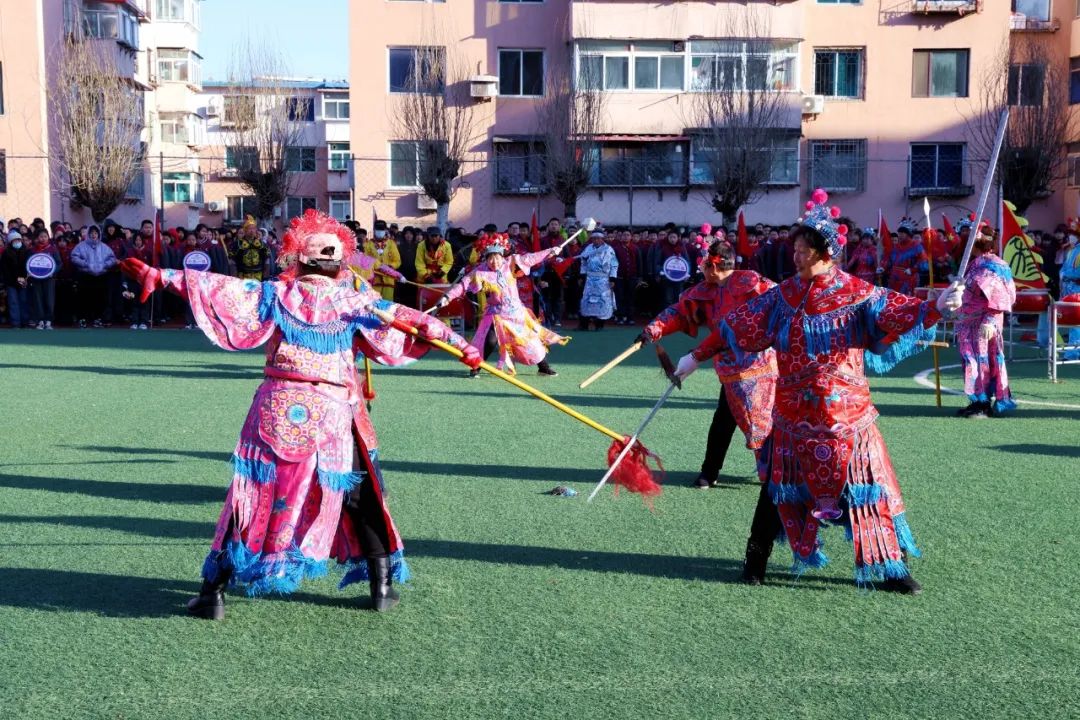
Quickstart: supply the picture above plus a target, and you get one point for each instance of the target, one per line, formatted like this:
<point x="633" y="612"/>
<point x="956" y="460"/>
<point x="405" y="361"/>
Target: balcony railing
<point x="1023" y="23"/>
<point x="638" y="172"/>
<point x="958" y="7"/>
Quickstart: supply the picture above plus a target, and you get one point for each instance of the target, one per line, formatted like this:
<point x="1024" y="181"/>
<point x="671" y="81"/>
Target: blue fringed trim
<point x="325" y="339"/>
<point x="863" y="494"/>
<point x="1004" y="406"/>
<point x="907" y="345"/>
<point x="784" y="494"/>
<point x="279" y="573"/>
<point x="254" y="470"/>
<point x="358" y="571"/>
<point x="334" y="481"/>
<point x="267" y="301"/>
<point x="865" y="575"/>
<point x="800" y="565"/>
<point x="904" y="538"/>
<point x="216" y="561"/>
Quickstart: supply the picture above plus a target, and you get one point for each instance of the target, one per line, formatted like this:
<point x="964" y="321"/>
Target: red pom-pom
<point x="698" y="239"/>
<point x="819" y="196"/>
<point x="842" y="229"/>
<point x="834" y="212"/>
<point x="841" y="240"/>
<point x="809" y="204"/>
<point x="634" y="473"/>
<point x="706" y="228"/>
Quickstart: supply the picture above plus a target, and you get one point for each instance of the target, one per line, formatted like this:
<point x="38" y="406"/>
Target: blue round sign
<point x="40" y="266"/>
<point x="197" y="260"/>
<point x="676" y="269"/>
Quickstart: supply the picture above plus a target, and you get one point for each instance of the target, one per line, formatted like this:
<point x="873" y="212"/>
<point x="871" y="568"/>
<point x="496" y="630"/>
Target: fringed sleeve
<point x="387" y="345"/>
<point x="228" y="310"/>
<point x="899" y="327"/>
<point x="750" y="328"/>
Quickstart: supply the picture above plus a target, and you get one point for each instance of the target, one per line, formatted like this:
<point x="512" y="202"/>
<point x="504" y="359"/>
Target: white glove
<point x="953" y="297"/>
<point x="907" y="271"/>
<point x="987" y="331"/>
<point x="687" y="365"/>
<point x="443" y="302"/>
<point x="555" y="250"/>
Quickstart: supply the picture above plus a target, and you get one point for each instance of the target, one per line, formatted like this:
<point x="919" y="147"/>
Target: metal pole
<point x="985" y="195"/>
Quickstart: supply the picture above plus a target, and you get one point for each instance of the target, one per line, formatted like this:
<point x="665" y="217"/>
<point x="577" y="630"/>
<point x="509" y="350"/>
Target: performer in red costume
<point x="747" y="382"/>
<point x="306" y="481"/>
<point x="825" y="460"/>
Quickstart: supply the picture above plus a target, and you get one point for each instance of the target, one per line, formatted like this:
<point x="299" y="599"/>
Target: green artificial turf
<point x="114" y="464"/>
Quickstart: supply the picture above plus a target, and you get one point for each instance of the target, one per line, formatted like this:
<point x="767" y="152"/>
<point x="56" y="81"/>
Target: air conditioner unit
<point x="213" y="109"/>
<point x="423" y="202"/>
<point x="215" y="207"/>
<point x="813" y="104"/>
<point x="229" y="173"/>
<point x="483" y="87"/>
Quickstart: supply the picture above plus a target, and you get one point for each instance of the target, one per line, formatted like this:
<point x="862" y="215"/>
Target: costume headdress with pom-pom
<point x="821" y="217"/>
<point x="300" y="234"/>
<point x="492" y="243"/>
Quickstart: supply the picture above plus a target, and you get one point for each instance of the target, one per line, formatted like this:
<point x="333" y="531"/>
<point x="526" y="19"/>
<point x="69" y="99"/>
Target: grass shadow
<point x="143" y="372"/>
<point x="1065" y="450"/>
<point x="149" y="527"/>
<point x="180" y="493"/>
<point x="118" y="596"/>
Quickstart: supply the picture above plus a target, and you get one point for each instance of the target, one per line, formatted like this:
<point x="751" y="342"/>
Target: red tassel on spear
<point x="632" y="471"/>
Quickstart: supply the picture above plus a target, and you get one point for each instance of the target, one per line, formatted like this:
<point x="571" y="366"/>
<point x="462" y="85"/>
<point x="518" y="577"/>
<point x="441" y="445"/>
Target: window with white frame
<point x="300" y="159"/>
<point x="939" y="73"/>
<point x="182" y="187"/>
<point x="238" y="207"/>
<point x="417" y="69"/>
<point x="174" y="128"/>
<point x="519" y="168"/>
<point x="178" y="11"/>
<point x="110" y="21"/>
<point x="740" y="65"/>
<point x="237" y="109"/>
<point x="521" y="72"/>
<point x="339" y="155"/>
<point x="936" y="166"/>
<point x="838" y="165"/>
<point x="782" y="155"/>
<point x="639" y="164"/>
<point x="178" y="65"/>
<point x="639" y="65"/>
<point x="340" y="207"/>
<point x="838" y="72"/>
<point x="1032" y="9"/>
<point x="335" y="106"/>
<point x="404" y="164"/>
<point x="241" y="158"/>
<point x="297" y="206"/>
<point x="1025" y="84"/>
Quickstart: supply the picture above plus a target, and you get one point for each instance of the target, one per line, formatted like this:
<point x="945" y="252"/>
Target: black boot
<point x="209" y="604"/>
<point x="906" y="585"/>
<point x="383" y="595"/>
<point x="975" y="411"/>
<point x="757" y="559"/>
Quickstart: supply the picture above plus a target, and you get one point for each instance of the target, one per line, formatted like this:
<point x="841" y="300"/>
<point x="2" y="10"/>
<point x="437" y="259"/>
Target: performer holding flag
<point x="306" y="480"/>
<point x="825" y="460"/>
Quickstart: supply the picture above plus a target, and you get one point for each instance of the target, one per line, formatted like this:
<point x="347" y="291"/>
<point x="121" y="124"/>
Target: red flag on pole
<point x="743" y="239"/>
<point x="950" y="233"/>
<point x="534" y="232"/>
<point x="886" y="235"/>
<point x="561" y="265"/>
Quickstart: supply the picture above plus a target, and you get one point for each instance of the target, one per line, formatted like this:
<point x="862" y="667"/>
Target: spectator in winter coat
<point x="93" y="259"/>
<point x="13" y="277"/>
<point x="43" y="290"/>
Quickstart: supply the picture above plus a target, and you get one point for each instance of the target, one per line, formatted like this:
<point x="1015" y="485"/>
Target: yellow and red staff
<point x="633" y="473"/>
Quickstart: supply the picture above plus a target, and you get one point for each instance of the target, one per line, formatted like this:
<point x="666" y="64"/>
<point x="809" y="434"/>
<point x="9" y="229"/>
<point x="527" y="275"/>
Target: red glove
<point x="472" y="357"/>
<point x="148" y="277"/>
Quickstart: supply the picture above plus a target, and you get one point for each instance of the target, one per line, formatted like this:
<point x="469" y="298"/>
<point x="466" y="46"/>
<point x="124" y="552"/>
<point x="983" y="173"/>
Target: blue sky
<point x="313" y="35"/>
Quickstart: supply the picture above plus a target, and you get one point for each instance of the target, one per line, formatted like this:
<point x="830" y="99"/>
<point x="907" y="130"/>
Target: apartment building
<point x="318" y="163"/>
<point x="882" y="92"/>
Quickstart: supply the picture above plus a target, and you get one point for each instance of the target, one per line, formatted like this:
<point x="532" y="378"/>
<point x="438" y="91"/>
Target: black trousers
<point x="365" y="511"/>
<point x="720" y="432"/>
<point x="766" y="525"/>
<point x="491" y="344"/>
<point x="94" y="298"/>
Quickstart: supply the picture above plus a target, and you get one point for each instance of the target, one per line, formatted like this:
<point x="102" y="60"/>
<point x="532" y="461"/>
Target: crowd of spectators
<point x="87" y="289"/>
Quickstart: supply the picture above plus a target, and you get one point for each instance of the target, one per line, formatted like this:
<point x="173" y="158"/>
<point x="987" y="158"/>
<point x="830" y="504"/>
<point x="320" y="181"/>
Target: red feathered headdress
<point x="302" y="229"/>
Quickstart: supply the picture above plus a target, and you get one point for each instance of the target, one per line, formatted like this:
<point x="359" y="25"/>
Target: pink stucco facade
<point x="883" y="127"/>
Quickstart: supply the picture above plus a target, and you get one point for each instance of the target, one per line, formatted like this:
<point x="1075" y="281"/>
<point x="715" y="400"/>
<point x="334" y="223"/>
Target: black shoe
<point x="905" y="586"/>
<point x="473" y="374"/>
<point x="383" y="595"/>
<point x="702" y="483"/>
<point x="209" y="604"/>
<point x="550" y="372"/>
<point x="757" y="559"/>
<point x="974" y="411"/>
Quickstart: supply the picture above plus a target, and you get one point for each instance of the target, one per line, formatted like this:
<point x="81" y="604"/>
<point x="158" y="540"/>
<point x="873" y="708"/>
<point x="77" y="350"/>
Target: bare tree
<point x="259" y="124"/>
<point x="98" y="119"/>
<point x="1029" y="78"/>
<point x="570" y="116"/>
<point x="737" y="113"/>
<point x="439" y="116"/>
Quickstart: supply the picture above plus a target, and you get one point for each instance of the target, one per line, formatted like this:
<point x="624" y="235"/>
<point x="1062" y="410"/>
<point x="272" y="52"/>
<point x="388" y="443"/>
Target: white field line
<point x="923" y="379"/>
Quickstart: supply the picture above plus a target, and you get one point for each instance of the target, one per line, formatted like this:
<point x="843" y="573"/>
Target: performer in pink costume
<point x="989" y="293"/>
<point x="826" y="460"/>
<point x="507" y="324"/>
<point x="306" y="481"/>
<point x="747" y="382"/>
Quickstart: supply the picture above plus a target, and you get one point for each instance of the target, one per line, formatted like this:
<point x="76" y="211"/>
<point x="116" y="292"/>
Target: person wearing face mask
<point x="384" y="252"/>
<point x="13" y="276"/>
<point x="507" y="324"/>
<point x="306" y="486"/>
<point x="825" y="461"/>
<point x="93" y="259"/>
